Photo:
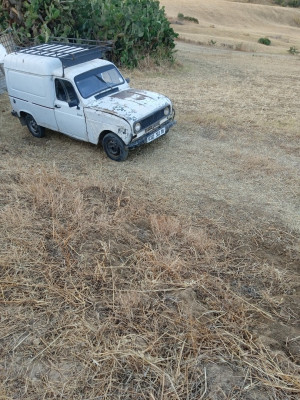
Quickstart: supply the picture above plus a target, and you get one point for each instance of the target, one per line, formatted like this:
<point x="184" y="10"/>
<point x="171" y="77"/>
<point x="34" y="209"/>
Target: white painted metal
<point x="31" y="88"/>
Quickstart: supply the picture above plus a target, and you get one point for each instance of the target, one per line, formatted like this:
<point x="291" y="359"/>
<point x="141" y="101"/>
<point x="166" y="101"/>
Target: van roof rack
<point x="69" y="53"/>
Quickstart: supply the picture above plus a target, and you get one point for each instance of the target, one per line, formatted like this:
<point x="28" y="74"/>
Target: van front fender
<point x="100" y="123"/>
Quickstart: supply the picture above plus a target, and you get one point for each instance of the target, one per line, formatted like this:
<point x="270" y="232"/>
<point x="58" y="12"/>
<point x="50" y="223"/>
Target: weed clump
<point x="212" y="42"/>
<point x="292" y="50"/>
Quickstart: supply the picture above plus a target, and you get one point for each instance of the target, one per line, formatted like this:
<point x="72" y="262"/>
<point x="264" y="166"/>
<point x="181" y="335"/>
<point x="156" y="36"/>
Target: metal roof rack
<point x="69" y="53"/>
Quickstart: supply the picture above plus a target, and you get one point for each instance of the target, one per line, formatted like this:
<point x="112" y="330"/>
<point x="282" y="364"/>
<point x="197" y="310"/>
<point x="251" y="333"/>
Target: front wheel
<point x="35" y="129"/>
<point x="114" y="147"/>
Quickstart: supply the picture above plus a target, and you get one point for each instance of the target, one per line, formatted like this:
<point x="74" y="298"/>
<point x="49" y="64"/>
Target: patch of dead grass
<point x="100" y="298"/>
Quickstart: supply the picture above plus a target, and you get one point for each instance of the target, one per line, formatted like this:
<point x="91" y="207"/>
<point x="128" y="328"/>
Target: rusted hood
<point x="130" y="104"/>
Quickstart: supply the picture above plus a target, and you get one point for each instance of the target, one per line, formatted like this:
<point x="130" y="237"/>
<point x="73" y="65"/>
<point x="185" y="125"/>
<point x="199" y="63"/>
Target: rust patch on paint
<point x="126" y="94"/>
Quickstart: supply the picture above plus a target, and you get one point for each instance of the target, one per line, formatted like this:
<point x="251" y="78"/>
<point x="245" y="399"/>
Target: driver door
<point x="68" y="110"/>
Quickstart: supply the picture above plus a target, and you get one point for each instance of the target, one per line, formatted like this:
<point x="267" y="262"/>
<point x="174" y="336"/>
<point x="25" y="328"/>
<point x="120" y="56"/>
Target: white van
<point x="70" y="89"/>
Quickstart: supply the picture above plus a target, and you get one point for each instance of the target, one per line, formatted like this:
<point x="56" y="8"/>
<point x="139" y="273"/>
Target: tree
<point x="137" y="27"/>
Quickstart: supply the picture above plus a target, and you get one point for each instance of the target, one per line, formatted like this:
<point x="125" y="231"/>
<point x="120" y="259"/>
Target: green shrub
<point x="181" y="17"/>
<point x="294" y="3"/>
<point x="4" y="18"/>
<point x="139" y="28"/>
<point x="192" y="19"/>
<point x="264" y="41"/>
<point x="289" y="3"/>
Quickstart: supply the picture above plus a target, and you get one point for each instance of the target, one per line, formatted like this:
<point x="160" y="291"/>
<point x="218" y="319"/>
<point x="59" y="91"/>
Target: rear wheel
<point x="35" y="129"/>
<point x="114" y="147"/>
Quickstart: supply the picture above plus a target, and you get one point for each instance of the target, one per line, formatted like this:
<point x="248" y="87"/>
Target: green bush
<point x="4" y="18"/>
<point x="264" y="41"/>
<point x="294" y="3"/>
<point x="139" y="28"/>
<point x="288" y="3"/>
<point x="192" y="19"/>
<point x="181" y="17"/>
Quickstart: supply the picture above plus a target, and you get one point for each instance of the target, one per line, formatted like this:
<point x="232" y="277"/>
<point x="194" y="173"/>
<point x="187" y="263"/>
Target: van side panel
<point x="33" y="88"/>
<point x="44" y="116"/>
<point x="27" y="84"/>
<point x="32" y="94"/>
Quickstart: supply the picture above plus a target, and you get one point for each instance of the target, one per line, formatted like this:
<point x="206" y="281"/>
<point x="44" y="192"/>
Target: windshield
<point x="98" y="80"/>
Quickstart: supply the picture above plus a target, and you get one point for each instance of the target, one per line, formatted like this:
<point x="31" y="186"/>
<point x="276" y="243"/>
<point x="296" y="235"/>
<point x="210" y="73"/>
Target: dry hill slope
<point x="234" y="23"/>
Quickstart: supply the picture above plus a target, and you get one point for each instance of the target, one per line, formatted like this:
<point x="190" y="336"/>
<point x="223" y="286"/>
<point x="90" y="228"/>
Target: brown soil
<point x="173" y="275"/>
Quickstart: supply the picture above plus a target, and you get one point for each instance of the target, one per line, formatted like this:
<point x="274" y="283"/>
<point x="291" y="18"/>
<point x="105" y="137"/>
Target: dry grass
<point x="237" y="24"/>
<point x="297" y="20"/>
<point x="104" y="300"/>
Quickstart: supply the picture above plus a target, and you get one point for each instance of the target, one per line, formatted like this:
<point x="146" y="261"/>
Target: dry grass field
<point x="237" y="24"/>
<point x="173" y="275"/>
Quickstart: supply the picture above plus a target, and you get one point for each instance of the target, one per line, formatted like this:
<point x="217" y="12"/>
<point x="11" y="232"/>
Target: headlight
<point x="167" y="111"/>
<point x="137" y="127"/>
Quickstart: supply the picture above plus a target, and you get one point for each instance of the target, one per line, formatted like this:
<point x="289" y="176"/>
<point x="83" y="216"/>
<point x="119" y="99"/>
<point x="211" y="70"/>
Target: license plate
<point x="156" y="135"/>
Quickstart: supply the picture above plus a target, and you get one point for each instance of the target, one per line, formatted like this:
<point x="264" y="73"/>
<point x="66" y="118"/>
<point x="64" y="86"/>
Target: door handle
<point x="57" y="106"/>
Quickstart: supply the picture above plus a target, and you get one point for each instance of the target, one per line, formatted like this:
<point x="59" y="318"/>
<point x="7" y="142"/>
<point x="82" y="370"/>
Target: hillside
<point x="237" y="25"/>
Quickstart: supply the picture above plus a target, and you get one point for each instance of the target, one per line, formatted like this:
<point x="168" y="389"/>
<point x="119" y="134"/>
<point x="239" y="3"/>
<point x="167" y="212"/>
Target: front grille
<point x="152" y="119"/>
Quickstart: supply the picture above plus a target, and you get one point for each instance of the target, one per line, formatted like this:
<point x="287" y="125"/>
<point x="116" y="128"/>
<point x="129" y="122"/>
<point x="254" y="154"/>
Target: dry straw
<point x="101" y="300"/>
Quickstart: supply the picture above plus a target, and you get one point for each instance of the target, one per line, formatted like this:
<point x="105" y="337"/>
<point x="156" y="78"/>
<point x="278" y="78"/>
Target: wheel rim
<point x="113" y="148"/>
<point x="33" y="125"/>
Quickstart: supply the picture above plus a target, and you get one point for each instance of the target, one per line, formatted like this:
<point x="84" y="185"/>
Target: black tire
<point x="114" y="147"/>
<point x="35" y="129"/>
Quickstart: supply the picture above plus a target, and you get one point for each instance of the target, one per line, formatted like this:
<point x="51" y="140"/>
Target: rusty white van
<point x="70" y="89"/>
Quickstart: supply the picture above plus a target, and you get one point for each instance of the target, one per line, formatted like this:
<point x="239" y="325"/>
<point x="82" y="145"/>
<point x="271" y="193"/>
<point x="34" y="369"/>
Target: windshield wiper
<point x="106" y="92"/>
<point x="108" y="89"/>
<point x="102" y="80"/>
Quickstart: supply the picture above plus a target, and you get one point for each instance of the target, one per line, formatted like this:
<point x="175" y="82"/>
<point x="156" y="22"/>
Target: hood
<point x="131" y="104"/>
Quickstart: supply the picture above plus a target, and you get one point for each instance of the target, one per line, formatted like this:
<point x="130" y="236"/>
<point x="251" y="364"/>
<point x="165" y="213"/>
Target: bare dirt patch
<point x="174" y="275"/>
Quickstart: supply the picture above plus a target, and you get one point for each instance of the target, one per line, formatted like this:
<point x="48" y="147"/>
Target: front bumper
<point x="143" y="139"/>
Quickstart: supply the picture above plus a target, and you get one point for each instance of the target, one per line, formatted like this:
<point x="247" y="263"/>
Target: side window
<point x="71" y="94"/>
<point x="65" y="91"/>
<point x="60" y="91"/>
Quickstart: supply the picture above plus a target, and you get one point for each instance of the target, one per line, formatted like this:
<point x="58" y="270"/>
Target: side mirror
<point x="73" y="103"/>
<point x="127" y="80"/>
